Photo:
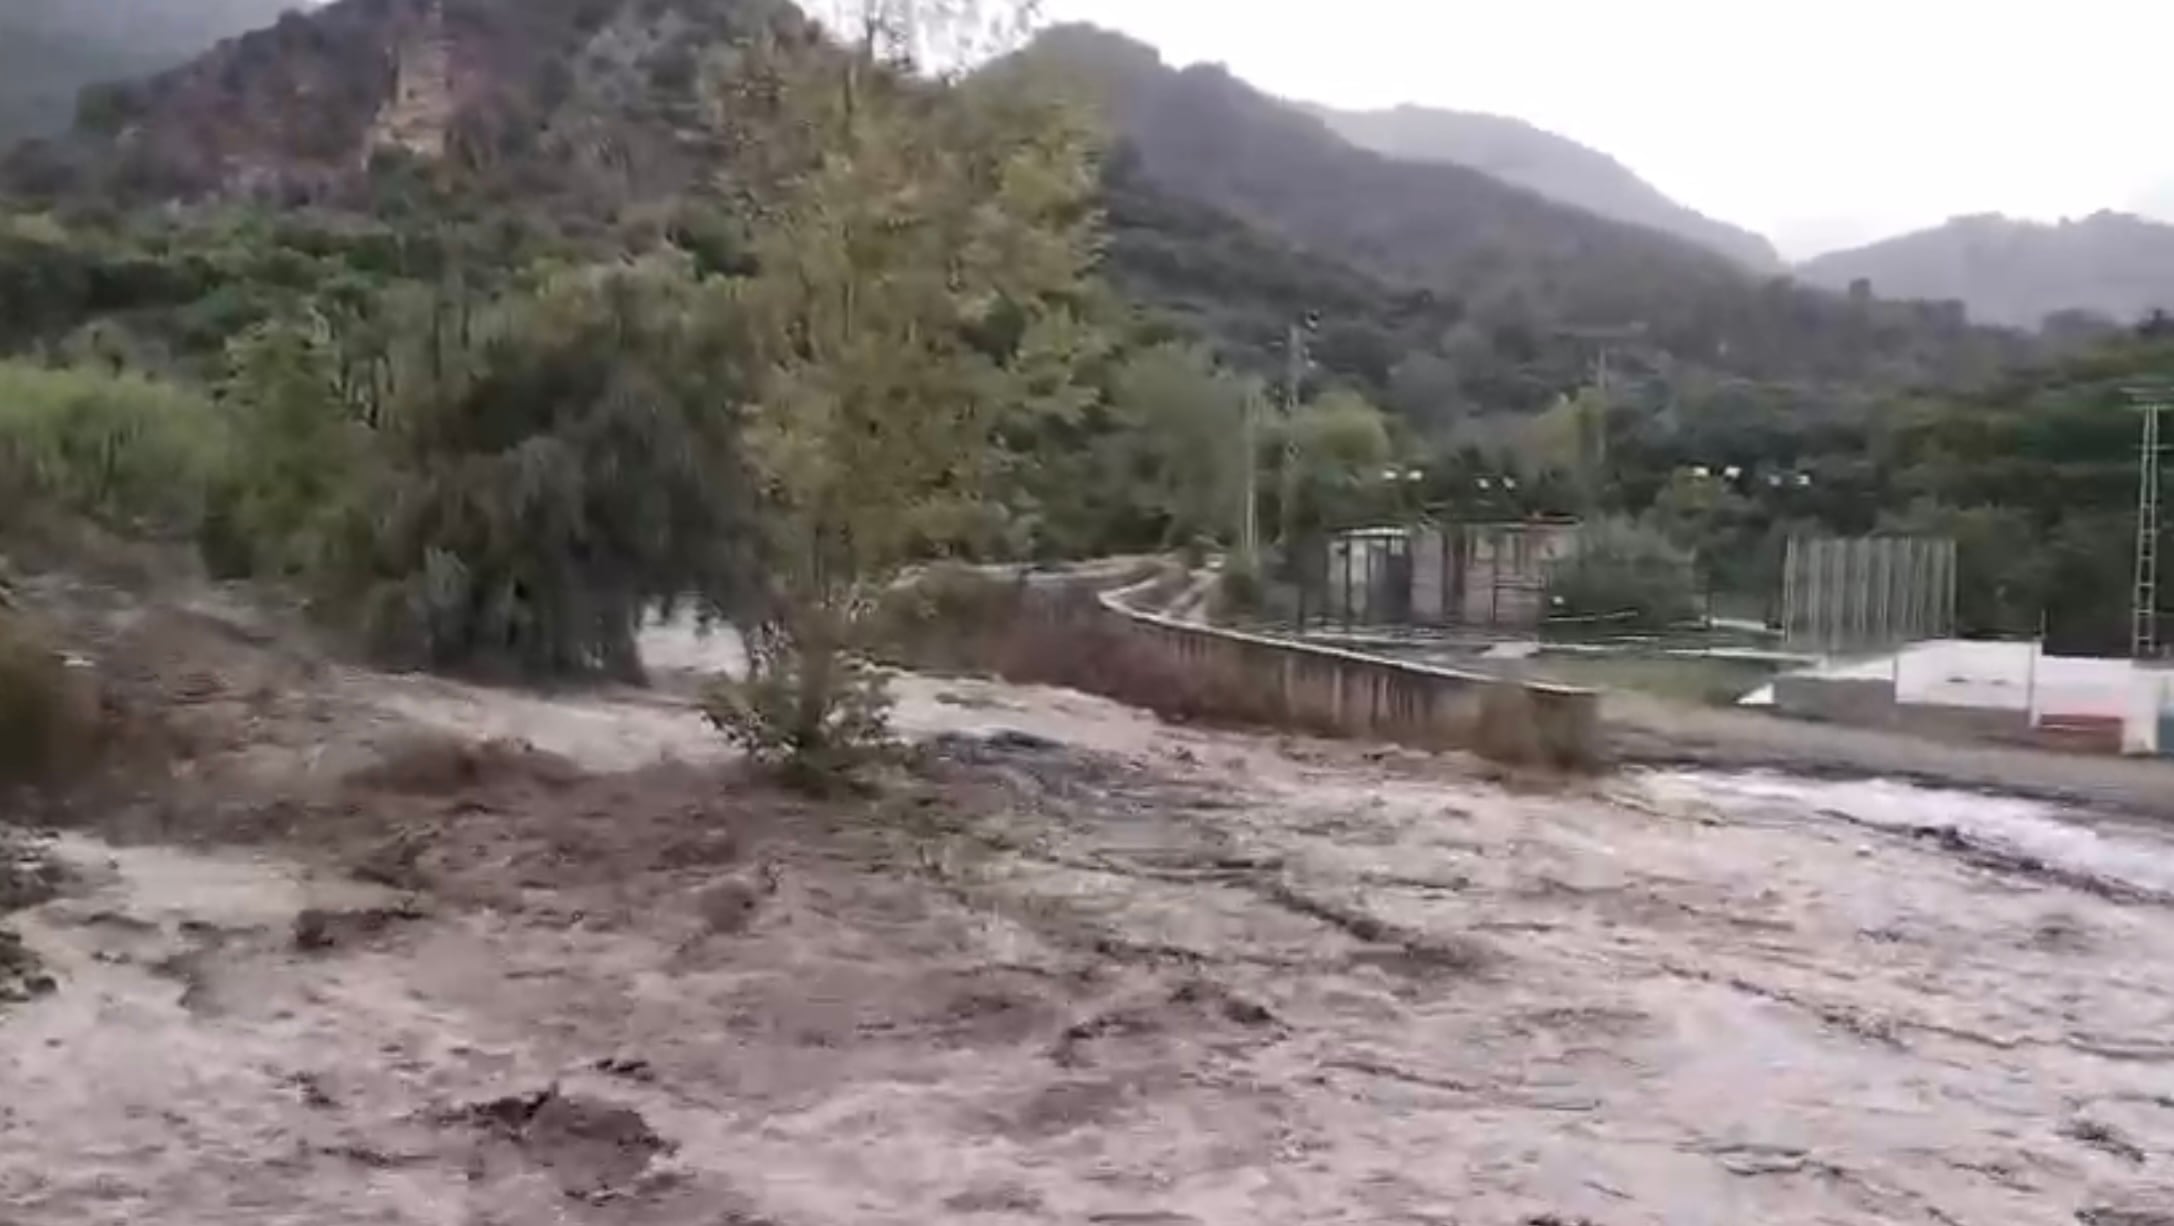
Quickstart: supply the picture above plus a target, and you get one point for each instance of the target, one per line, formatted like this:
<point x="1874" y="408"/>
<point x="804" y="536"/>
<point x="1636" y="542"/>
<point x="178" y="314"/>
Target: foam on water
<point x="2070" y="838"/>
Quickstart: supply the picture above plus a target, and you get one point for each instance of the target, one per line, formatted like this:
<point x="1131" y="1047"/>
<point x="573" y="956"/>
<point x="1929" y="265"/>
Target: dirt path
<point x="1079" y="967"/>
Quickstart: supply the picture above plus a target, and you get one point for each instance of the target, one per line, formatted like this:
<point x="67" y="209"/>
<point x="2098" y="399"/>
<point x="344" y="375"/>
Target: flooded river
<point x="1105" y="970"/>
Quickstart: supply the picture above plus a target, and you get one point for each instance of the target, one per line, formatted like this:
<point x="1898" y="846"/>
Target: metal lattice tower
<point x="2144" y="611"/>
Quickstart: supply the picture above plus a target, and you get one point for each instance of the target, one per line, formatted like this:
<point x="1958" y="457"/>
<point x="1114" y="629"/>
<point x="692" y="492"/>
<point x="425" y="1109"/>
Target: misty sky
<point x="1819" y="123"/>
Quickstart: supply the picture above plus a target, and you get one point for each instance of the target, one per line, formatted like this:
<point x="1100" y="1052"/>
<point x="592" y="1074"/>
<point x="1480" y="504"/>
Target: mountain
<point x="1221" y="195"/>
<point x="2019" y="272"/>
<point x="51" y="49"/>
<point x="1440" y="290"/>
<point x="1211" y="138"/>
<point x="540" y="98"/>
<point x="1540" y="161"/>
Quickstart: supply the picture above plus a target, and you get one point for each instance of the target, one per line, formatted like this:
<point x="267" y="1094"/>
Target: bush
<point x="816" y="726"/>
<point x="1240" y="592"/>
<point x="537" y="471"/>
<point x="1627" y="576"/>
<point x="948" y="618"/>
<point x="130" y="452"/>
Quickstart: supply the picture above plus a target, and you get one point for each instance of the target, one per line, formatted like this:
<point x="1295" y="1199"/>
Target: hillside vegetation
<point x="492" y="325"/>
<point x="545" y="101"/>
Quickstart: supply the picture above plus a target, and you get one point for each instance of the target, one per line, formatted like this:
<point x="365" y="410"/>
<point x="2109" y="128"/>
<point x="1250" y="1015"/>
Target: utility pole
<point x="1592" y="435"/>
<point x="2144" y="611"/>
<point x="1294" y="377"/>
<point x="1593" y="443"/>
<point x="1249" y="522"/>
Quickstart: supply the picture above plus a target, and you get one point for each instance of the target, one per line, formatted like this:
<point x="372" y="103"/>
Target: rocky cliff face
<point x="303" y="107"/>
<point x="419" y="116"/>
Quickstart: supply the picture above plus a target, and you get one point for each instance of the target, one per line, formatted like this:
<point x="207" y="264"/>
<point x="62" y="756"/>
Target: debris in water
<point x="633" y="1068"/>
<point x="2105" y="1137"/>
<point x="2113" y="1215"/>
<point x="27" y="876"/>
<point x="21" y="978"/>
<point x="317" y="929"/>
<point x="592" y="1148"/>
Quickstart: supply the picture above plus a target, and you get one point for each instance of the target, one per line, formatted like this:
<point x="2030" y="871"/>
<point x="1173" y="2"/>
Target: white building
<point x="1999" y="690"/>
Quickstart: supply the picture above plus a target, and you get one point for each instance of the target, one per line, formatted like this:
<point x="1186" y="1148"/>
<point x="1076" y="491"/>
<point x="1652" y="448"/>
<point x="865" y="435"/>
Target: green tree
<point x="298" y="460"/>
<point x="1339" y="447"/>
<point x="534" y="472"/>
<point x="1572" y="437"/>
<point x="1179" y="440"/>
<point x="129" y="451"/>
<point x="1425" y="391"/>
<point x="1624" y="576"/>
<point x="922" y="248"/>
<point x="563" y="461"/>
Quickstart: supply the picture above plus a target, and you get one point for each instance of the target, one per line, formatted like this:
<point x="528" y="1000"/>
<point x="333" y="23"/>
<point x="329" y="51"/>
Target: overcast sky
<point x="1819" y="123"/>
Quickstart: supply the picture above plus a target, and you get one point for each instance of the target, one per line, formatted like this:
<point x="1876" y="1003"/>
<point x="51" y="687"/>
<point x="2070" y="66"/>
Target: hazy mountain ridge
<point x="2018" y="272"/>
<point x="50" y="50"/>
<point x="1511" y="285"/>
<point x="1555" y="166"/>
<point x="1213" y="138"/>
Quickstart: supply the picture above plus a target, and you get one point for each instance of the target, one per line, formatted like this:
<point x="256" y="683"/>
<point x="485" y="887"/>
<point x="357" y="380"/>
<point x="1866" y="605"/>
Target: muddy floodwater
<point x="1079" y="967"/>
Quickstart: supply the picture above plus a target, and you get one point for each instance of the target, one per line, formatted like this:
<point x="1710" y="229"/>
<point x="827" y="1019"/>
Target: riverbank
<point x="386" y="948"/>
<point x="1644" y="730"/>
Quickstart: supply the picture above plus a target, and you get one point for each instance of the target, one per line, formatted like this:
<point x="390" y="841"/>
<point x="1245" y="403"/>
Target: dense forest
<point x="491" y="325"/>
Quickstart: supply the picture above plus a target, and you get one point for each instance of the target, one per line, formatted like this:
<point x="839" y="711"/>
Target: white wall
<point x="2069" y="685"/>
<point x="2019" y="677"/>
<point x="2151" y="697"/>
<point x="1988" y="676"/>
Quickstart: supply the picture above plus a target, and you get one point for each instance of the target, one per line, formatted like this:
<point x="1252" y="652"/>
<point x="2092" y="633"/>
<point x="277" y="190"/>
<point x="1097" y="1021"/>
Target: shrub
<point x="815" y="726"/>
<point x="128" y="451"/>
<point x="533" y="473"/>
<point x="948" y="618"/>
<point x="1240" y="592"/>
<point x="1627" y="575"/>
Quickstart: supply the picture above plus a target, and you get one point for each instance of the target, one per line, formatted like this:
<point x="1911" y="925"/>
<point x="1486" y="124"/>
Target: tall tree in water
<point x="922" y="245"/>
